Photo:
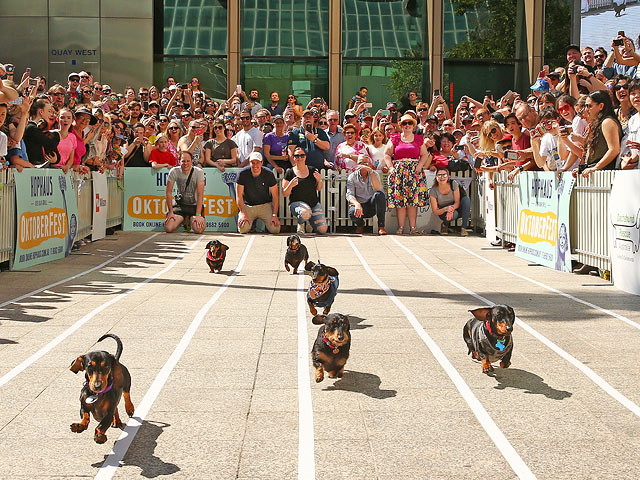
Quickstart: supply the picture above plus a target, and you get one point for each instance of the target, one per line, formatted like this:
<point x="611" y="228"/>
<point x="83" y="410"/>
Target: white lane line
<point x="593" y="376"/>
<point x="506" y="449"/>
<point x="551" y="289"/>
<point x="60" y="282"/>
<point x="306" y="455"/>
<point x="119" y="450"/>
<point x="44" y="350"/>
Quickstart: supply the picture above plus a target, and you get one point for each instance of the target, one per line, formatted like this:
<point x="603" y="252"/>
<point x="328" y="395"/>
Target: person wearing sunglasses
<point x="552" y="148"/>
<point x="313" y="140"/>
<point x="406" y="156"/>
<point x="220" y="151"/>
<point x="275" y="147"/>
<point x="302" y="183"/>
<point x="631" y="147"/>
<point x="349" y="151"/>
<point x="449" y="201"/>
<point x="566" y="108"/>
<point x="294" y="106"/>
<point x="621" y="100"/>
<point x="174" y="132"/>
<point x="248" y="139"/>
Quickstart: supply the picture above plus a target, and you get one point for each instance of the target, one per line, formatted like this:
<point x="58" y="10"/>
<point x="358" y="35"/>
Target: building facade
<point x="326" y="48"/>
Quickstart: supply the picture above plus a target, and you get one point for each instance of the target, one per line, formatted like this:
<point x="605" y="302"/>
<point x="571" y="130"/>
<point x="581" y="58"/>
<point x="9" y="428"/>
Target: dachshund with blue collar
<point x="488" y="335"/>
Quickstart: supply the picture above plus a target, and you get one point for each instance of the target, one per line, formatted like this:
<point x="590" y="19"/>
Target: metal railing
<point x="7" y="213"/>
<point x="596" y="4"/>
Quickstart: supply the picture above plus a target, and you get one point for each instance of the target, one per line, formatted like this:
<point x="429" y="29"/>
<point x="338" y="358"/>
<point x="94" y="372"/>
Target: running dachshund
<point x="488" y="335"/>
<point x="106" y="380"/>
<point x="323" y="287"/>
<point x="296" y="253"/>
<point x="216" y="254"/>
<point x="331" y="348"/>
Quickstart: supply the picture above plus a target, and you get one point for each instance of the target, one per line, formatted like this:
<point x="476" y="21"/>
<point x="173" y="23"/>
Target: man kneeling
<point x="257" y="196"/>
<point x="188" y="206"/>
<point x="365" y="196"/>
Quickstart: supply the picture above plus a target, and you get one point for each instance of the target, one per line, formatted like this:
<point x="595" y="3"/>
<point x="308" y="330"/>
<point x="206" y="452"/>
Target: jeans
<point x="304" y="213"/>
<point x="463" y="210"/>
<point x="376" y="205"/>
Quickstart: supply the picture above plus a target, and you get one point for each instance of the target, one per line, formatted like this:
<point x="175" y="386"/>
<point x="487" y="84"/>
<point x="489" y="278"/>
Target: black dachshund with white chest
<point x="331" y="348"/>
<point x="488" y="335"/>
<point x="296" y="253"/>
<point x="216" y="253"/>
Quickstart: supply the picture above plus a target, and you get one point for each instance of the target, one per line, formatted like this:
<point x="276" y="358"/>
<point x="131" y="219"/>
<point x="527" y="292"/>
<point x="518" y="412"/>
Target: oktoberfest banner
<point x="543" y="219"/>
<point x="145" y="206"/>
<point x="624" y="231"/>
<point x="47" y="216"/>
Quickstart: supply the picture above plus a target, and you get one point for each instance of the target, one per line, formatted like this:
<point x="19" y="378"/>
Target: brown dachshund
<point x="106" y="380"/>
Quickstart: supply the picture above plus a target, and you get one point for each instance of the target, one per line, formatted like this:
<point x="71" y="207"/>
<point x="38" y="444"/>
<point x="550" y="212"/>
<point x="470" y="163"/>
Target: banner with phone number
<point x="47" y="213"/>
<point x="146" y="206"/>
<point x="543" y="219"/>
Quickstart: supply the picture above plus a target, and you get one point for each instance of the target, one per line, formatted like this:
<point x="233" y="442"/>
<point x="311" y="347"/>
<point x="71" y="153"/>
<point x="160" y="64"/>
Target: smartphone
<point x="368" y="105"/>
<point x="488" y="93"/>
<point x="394" y="116"/>
<point x="317" y="101"/>
<point x="33" y="82"/>
<point x="459" y="147"/>
<point x="618" y="42"/>
<point x="566" y="129"/>
<point x="508" y="97"/>
<point x="464" y="99"/>
<point x="27" y="70"/>
<point x="238" y="89"/>
<point x="200" y="131"/>
<point x="538" y="131"/>
<point x="385" y="112"/>
<point x="477" y="163"/>
<point x="511" y="155"/>
<point x="436" y="92"/>
<point x="145" y="105"/>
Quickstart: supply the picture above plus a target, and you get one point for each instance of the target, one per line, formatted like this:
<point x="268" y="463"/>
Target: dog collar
<point x="294" y="249"/>
<point x="210" y="257"/>
<point x="499" y="337"/>
<point x="94" y="398"/>
<point x="329" y="344"/>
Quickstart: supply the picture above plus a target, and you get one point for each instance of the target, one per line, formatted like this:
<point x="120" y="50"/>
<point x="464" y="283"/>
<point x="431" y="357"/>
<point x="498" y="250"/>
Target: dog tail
<point x="118" y="341"/>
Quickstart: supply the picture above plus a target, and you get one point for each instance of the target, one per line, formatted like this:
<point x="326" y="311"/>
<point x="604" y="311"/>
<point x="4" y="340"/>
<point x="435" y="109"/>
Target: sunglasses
<point x="58" y="93"/>
<point x="600" y="56"/>
<point x="74" y="79"/>
<point x="245" y="118"/>
<point x="423" y="109"/>
<point x="323" y="123"/>
<point x="144" y="94"/>
<point x="406" y="122"/>
<point x="173" y="128"/>
<point x="349" y="133"/>
<point x="98" y="88"/>
<point x="291" y="97"/>
<point x="185" y="115"/>
<point x="84" y="76"/>
<point x="442" y="175"/>
<point x="493" y="131"/>
<point x="621" y="87"/>
<point x="299" y="155"/>
<point x="163" y="121"/>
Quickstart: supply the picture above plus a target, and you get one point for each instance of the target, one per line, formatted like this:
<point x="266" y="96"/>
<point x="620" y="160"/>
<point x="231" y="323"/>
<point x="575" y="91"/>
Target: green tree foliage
<point x="407" y="74"/>
<point x="557" y="32"/>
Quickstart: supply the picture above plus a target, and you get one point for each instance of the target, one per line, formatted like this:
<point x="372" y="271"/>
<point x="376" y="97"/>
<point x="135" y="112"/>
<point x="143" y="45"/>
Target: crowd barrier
<point x="589" y="238"/>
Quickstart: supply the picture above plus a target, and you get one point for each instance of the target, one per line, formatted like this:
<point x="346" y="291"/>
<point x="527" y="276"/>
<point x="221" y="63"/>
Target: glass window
<point x="195" y="29"/>
<point x="285" y="28"/>
<point x="211" y="72"/>
<point x="486" y="41"/>
<point x="383" y="29"/>
<point x="305" y="78"/>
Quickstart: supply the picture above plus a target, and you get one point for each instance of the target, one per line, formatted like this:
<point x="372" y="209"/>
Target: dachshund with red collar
<point x="216" y="254"/>
<point x="331" y="348"/>
<point x="488" y="335"/>
<point x="106" y="381"/>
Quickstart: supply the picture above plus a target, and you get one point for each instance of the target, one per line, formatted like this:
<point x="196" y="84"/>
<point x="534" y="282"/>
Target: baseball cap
<point x="73" y="74"/>
<point x="350" y="113"/>
<point x="257" y="156"/>
<point x="277" y="117"/>
<point x="391" y="105"/>
<point x="573" y="46"/>
<point x="541" y="85"/>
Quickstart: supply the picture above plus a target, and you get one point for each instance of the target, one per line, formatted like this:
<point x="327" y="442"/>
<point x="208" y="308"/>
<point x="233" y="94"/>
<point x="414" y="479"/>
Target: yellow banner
<point x="154" y="207"/>
<point x="534" y="227"/>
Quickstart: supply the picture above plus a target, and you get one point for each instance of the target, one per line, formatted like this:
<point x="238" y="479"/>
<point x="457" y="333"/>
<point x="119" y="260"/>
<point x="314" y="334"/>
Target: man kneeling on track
<point x="188" y="205"/>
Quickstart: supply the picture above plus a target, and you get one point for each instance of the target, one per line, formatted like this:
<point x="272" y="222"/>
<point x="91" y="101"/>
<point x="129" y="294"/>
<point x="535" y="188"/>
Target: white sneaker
<point x="300" y="228"/>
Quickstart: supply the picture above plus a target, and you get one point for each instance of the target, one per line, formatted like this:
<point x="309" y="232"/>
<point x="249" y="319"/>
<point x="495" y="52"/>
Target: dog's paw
<point x="332" y="374"/>
<point x="487" y="368"/>
<point x="295" y="271"/>
<point x="326" y="310"/>
<point x="100" y="437"/>
<point x="78" y="427"/>
<point x="505" y="365"/>
<point x="286" y="265"/>
<point x="475" y="355"/>
<point x="313" y="310"/>
<point x="319" y="375"/>
<point x="119" y="425"/>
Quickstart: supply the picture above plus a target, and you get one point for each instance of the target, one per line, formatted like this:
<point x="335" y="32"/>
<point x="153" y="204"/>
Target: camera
<point x="33" y="82"/>
<point x="618" y="42"/>
<point x="178" y="198"/>
<point x="511" y="155"/>
<point x="9" y="68"/>
<point x="436" y="92"/>
<point x="184" y="86"/>
<point x="566" y="129"/>
<point x="459" y="147"/>
<point x="145" y="105"/>
<point x="308" y="127"/>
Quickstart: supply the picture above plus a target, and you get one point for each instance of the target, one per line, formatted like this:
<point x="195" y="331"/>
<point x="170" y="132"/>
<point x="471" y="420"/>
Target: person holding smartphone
<point x="313" y="140"/>
<point x="192" y="141"/>
<point x="631" y="144"/>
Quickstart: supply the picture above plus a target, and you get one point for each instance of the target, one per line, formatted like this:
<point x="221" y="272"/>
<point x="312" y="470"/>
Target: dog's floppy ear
<point x="332" y="271"/>
<point x="308" y="266"/>
<point x="483" y="314"/>
<point x="77" y="364"/>
<point x="318" y="319"/>
<point x="512" y="314"/>
<point x="224" y="247"/>
<point x="208" y="246"/>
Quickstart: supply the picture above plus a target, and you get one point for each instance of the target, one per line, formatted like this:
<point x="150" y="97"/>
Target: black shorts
<point x="186" y="210"/>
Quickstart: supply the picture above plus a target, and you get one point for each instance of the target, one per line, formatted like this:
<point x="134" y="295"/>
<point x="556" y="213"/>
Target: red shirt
<point x="163" y="157"/>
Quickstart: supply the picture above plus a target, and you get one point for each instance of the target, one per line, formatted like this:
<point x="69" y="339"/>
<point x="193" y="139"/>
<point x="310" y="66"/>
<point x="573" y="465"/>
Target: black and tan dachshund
<point x="296" y="253"/>
<point x="216" y="253"/>
<point x="331" y="348"/>
<point x="488" y="335"/>
<point x="106" y="380"/>
<point x="323" y="287"/>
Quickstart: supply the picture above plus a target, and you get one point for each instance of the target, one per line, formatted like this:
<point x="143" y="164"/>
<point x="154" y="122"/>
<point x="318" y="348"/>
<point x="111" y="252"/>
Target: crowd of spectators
<point x="580" y="117"/>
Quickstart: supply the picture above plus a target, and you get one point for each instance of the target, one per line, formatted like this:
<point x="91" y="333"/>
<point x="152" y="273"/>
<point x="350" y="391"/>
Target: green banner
<point x="47" y="216"/>
<point x="146" y="206"/>
<point x="543" y="219"/>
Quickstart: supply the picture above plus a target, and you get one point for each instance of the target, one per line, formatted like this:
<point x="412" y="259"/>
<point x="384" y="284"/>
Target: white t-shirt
<point x="377" y="155"/>
<point x="549" y="150"/>
<point x="246" y="141"/>
<point x="579" y="125"/>
<point x="3" y="145"/>
<point x="633" y="134"/>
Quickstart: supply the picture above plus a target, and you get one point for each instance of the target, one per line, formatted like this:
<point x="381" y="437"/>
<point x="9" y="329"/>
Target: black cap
<point x="572" y="47"/>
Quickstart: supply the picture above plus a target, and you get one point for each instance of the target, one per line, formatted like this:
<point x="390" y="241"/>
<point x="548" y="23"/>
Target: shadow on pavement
<point x="6" y="341"/>
<point x="360" y="382"/>
<point x="141" y="452"/>
<point x="527" y="381"/>
<point x="355" y="322"/>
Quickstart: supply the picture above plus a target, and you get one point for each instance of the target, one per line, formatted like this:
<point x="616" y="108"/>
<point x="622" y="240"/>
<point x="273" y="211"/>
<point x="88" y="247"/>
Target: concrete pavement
<point x="230" y="406"/>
